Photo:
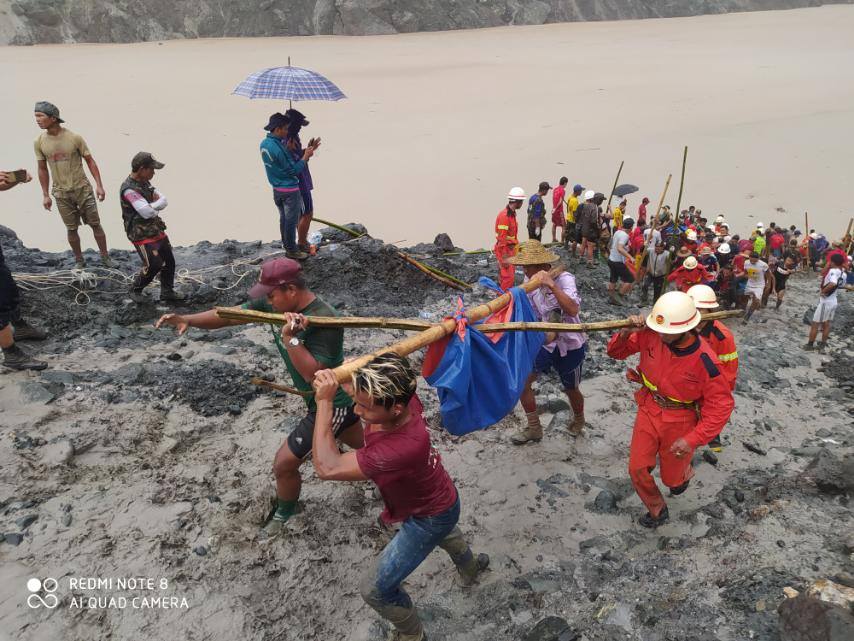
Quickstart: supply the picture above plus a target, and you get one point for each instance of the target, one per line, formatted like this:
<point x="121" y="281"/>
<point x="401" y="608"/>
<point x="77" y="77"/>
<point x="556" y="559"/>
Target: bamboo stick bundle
<point x="661" y="202"/>
<point x="252" y="316"/>
<point x="278" y="387"/>
<point x="347" y="230"/>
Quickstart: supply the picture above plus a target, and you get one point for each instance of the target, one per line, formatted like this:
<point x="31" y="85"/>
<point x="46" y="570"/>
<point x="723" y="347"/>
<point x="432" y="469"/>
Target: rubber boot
<point x="577" y="423"/>
<point x="469" y="566"/>
<point x="407" y="624"/>
<point x="16" y="358"/>
<point x="24" y="331"/>
<point x="528" y="435"/>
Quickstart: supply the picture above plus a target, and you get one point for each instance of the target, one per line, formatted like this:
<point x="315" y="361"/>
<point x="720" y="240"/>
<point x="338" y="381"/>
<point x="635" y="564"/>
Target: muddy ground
<point x="142" y="454"/>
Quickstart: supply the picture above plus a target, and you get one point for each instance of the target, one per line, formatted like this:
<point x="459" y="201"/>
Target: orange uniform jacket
<point x="688" y="374"/>
<point x="722" y="342"/>
<point x="506" y="230"/>
<point x="687" y="278"/>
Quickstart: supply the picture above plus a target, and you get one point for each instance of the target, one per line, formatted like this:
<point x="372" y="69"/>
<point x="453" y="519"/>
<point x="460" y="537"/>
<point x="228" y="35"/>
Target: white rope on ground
<point x="81" y="281"/>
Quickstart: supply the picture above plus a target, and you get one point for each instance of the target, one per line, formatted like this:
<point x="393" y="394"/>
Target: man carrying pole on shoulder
<point x="417" y="491"/>
<point x="683" y="402"/>
<point x="719" y="338"/>
<point x="556" y="300"/>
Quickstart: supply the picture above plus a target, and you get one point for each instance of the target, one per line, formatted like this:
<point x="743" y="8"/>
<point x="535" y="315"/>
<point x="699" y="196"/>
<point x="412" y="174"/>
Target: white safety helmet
<point x="691" y="234"/>
<point x="690" y="263"/>
<point x="673" y="313"/>
<point x="704" y="297"/>
<point x="723" y="248"/>
<point x="588" y="195"/>
<point x="759" y="225"/>
<point x="719" y="219"/>
<point x="517" y="193"/>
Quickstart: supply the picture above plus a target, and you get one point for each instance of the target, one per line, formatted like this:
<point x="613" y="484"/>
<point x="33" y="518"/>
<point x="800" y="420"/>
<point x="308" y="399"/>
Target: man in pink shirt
<point x="558" y="216"/>
<point x="556" y="300"/>
<point x="417" y="491"/>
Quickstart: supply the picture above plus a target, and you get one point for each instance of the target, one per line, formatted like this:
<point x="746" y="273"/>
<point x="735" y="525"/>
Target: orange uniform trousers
<point x="652" y="436"/>
<point x="506" y="273"/>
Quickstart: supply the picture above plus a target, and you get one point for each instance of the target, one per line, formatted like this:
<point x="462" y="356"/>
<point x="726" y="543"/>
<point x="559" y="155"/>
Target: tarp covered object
<point x="479" y="377"/>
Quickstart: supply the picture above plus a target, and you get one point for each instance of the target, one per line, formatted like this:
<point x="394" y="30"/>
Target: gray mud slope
<point x="26" y="22"/>
<point x="140" y="453"/>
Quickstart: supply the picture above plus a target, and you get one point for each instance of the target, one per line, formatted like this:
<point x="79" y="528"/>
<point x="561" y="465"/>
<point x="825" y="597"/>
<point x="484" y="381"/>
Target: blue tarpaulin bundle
<point x="479" y="377"/>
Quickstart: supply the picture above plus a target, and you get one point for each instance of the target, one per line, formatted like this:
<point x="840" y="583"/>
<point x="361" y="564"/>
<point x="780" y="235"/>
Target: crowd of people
<point x="665" y="251"/>
<point x="685" y="376"/>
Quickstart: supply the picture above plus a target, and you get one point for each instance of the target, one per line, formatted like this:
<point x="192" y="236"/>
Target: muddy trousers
<point x="157" y="258"/>
<point x="651" y="438"/>
<point x="381" y="584"/>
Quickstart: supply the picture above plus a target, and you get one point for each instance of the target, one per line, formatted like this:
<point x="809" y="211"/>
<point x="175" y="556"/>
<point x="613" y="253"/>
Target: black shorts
<point x="299" y="440"/>
<point x="619" y="271"/>
<point x="780" y="282"/>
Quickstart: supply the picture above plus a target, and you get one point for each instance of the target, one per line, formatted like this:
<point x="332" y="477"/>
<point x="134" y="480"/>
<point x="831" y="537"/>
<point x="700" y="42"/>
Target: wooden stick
<point x="279" y="388"/>
<point x="614" y="188"/>
<point x="435" y="333"/>
<point x="661" y="202"/>
<point x="439" y="272"/>
<point x="682" y="181"/>
<point x="582" y="327"/>
<point x="252" y="316"/>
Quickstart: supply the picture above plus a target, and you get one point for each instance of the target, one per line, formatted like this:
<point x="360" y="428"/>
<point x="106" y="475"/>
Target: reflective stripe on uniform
<point x="653" y="388"/>
<point x="503" y="227"/>
<point x="726" y="358"/>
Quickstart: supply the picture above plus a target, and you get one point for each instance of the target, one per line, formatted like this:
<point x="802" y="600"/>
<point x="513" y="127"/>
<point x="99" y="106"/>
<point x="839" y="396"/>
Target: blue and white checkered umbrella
<point x="288" y="83"/>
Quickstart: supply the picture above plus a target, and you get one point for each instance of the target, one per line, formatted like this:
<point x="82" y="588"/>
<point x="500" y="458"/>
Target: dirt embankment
<point x="143" y="454"/>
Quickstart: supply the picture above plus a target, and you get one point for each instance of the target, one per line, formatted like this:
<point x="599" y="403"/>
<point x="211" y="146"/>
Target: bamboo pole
<point x="252" y="316"/>
<point x="347" y="230"/>
<point x="444" y="279"/>
<point x="435" y="333"/>
<point x="661" y="202"/>
<point x="806" y="261"/>
<point x="614" y="188"/>
<point x="682" y="181"/>
<point x="582" y="327"/>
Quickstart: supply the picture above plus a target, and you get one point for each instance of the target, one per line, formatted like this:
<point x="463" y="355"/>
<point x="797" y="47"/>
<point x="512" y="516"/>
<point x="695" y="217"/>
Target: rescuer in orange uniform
<point x="506" y="237"/>
<point x="683" y="402"/>
<point x="719" y="338"/>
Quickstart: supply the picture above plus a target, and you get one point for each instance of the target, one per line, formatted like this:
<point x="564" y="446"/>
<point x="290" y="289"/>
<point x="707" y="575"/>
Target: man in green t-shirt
<point x="305" y="350"/>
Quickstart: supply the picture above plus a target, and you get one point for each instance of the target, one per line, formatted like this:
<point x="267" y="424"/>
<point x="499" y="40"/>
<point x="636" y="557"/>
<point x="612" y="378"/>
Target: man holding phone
<point x="283" y="172"/>
<point x="10" y="315"/>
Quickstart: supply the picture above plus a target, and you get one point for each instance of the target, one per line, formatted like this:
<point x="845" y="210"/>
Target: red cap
<point x="275" y="273"/>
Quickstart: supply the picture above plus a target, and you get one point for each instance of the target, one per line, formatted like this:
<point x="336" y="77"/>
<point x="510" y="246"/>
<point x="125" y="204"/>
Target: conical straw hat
<point x="532" y="252"/>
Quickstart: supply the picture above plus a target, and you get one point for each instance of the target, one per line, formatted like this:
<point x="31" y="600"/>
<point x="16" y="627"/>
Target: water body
<point x="438" y="126"/>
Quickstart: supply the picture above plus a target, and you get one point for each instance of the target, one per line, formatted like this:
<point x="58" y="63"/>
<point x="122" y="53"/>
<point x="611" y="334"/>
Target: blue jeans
<point x="290" y="207"/>
<point x="412" y="544"/>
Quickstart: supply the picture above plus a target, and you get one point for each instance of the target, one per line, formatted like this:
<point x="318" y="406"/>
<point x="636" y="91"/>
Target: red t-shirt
<point x="738" y="262"/>
<point x="642" y="213"/>
<point x="776" y="241"/>
<point x="407" y="470"/>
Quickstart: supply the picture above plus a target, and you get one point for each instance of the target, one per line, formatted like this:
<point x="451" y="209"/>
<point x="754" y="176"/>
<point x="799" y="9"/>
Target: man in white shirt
<point x="757" y="273"/>
<point x="617" y="257"/>
<point x="827" y="303"/>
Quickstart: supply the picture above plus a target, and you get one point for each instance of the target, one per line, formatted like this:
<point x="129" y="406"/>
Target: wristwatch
<point x="294" y="342"/>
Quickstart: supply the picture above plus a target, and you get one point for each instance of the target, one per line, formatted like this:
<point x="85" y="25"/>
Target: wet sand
<point x="438" y="126"/>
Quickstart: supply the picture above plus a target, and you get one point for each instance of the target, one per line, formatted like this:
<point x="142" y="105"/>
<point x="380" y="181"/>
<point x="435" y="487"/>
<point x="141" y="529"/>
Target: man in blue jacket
<point x="283" y="175"/>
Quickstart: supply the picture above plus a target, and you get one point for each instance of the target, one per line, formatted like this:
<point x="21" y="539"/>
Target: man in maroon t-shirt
<point x="407" y="470"/>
